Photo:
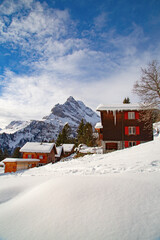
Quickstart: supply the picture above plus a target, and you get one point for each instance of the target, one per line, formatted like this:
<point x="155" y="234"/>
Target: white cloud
<point x="62" y="64"/>
<point x="9" y="7"/>
<point x="32" y="30"/>
<point x="100" y="21"/>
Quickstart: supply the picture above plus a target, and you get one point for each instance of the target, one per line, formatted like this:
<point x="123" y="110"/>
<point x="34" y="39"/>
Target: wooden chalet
<point x="45" y="152"/>
<point x="60" y="153"/>
<point x="17" y="164"/>
<point x="122" y="126"/>
<point x="68" y="149"/>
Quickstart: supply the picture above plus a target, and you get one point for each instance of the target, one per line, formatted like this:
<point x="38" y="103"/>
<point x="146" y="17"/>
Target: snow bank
<point x="106" y="207"/>
<point x="107" y="196"/>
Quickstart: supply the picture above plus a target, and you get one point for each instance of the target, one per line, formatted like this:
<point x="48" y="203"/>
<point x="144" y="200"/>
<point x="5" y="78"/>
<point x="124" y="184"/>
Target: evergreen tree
<point x="80" y="132"/>
<point x="6" y="153"/>
<point x="16" y="153"/>
<point x="126" y="100"/>
<point x="64" y="136"/>
<point x="85" y="134"/>
<point x="59" y="139"/>
<point x="88" y="135"/>
<point x="1" y="155"/>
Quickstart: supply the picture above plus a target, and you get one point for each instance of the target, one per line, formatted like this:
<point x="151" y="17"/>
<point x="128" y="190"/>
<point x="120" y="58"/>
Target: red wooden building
<point x="17" y="164"/>
<point x="123" y="126"/>
<point x="45" y="152"/>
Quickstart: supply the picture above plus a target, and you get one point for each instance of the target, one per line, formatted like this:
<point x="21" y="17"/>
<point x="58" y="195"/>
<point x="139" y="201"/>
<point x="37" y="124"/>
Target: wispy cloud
<point x="62" y="63"/>
<point x="100" y="21"/>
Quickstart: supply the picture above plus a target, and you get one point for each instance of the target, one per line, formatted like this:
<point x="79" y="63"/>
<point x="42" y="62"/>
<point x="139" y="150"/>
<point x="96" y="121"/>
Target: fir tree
<point x="1" y="155"/>
<point x="16" y="153"/>
<point x="88" y="135"/>
<point x="85" y="134"/>
<point x="6" y="153"/>
<point x="64" y="136"/>
<point x="59" y="139"/>
<point x="80" y="132"/>
<point x="126" y="100"/>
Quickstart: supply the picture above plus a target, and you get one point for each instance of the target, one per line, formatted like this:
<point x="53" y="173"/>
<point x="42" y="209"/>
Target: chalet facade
<point x="45" y="152"/>
<point x="122" y="126"/>
<point x="17" y="164"/>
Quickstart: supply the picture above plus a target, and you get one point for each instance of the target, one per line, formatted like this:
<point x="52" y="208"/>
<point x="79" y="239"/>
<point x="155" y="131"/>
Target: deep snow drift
<point x="110" y="196"/>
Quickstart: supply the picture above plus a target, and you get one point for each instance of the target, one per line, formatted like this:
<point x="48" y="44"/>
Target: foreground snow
<point x="110" y="196"/>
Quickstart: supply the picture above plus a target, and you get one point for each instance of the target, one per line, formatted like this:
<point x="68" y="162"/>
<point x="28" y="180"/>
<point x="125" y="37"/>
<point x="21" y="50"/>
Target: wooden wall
<point x="46" y="157"/>
<point x="10" y="167"/>
<point x="114" y="130"/>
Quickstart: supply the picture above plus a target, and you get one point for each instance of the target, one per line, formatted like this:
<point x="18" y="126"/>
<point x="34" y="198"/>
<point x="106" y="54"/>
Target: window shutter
<point x="126" y="144"/>
<point x="137" y="115"/>
<point x="125" y="115"/>
<point x="138" y="142"/>
<point x="126" y="130"/>
<point x="137" y="131"/>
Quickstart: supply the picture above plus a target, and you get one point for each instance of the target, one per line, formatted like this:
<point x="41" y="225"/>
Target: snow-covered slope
<point x="15" y="126"/>
<point x="17" y="133"/>
<point x="108" y="196"/>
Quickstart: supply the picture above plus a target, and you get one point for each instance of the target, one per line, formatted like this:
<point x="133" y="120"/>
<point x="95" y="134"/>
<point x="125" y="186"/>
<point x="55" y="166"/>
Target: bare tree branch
<point x="148" y="89"/>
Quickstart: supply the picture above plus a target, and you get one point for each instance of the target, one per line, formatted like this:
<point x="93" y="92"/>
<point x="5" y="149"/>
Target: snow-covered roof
<point x="119" y="107"/>
<point x="98" y="125"/>
<point x="37" y="147"/>
<point x="59" y="151"/>
<point x="20" y="160"/>
<point x="68" y="147"/>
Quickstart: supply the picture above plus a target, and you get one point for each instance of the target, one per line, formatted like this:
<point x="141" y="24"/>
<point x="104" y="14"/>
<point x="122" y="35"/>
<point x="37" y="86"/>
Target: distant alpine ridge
<point x="17" y="133"/>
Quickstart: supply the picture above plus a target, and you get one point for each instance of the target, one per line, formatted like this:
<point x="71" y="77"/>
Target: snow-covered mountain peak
<point x="17" y="133"/>
<point x="73" y="112"/>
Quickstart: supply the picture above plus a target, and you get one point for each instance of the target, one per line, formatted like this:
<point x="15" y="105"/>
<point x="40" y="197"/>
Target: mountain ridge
<point x="17" y="133"/>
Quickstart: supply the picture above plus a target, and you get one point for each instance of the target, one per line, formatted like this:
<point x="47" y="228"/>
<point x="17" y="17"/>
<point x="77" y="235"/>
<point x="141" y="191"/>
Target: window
<point x="41" y="164"/>
<point x="40" y="156"/>
<point x="132" y="130"/>
<point x="131" y="115"/>
<point x="131" y="144"/>
<point x="29" y="156"/>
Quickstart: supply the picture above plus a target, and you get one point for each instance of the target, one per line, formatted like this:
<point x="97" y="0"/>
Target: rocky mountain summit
<point x="17" y="133"/>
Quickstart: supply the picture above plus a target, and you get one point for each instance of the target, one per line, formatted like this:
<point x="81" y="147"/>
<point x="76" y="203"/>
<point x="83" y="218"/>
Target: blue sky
<point x="92" y="50"/>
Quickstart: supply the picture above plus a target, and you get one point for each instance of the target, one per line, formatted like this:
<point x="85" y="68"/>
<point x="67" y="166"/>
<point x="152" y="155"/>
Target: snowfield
<point x="101" y="196"/>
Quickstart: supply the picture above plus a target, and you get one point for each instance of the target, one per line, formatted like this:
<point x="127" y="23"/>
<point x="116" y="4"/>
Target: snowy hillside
<point x="17" y="133"/>
<point x="107" y="196"/>
<point x="15" y="126"/>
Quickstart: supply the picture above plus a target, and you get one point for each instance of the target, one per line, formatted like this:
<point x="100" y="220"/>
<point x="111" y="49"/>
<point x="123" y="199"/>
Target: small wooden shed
<point x="17" y="164"/>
